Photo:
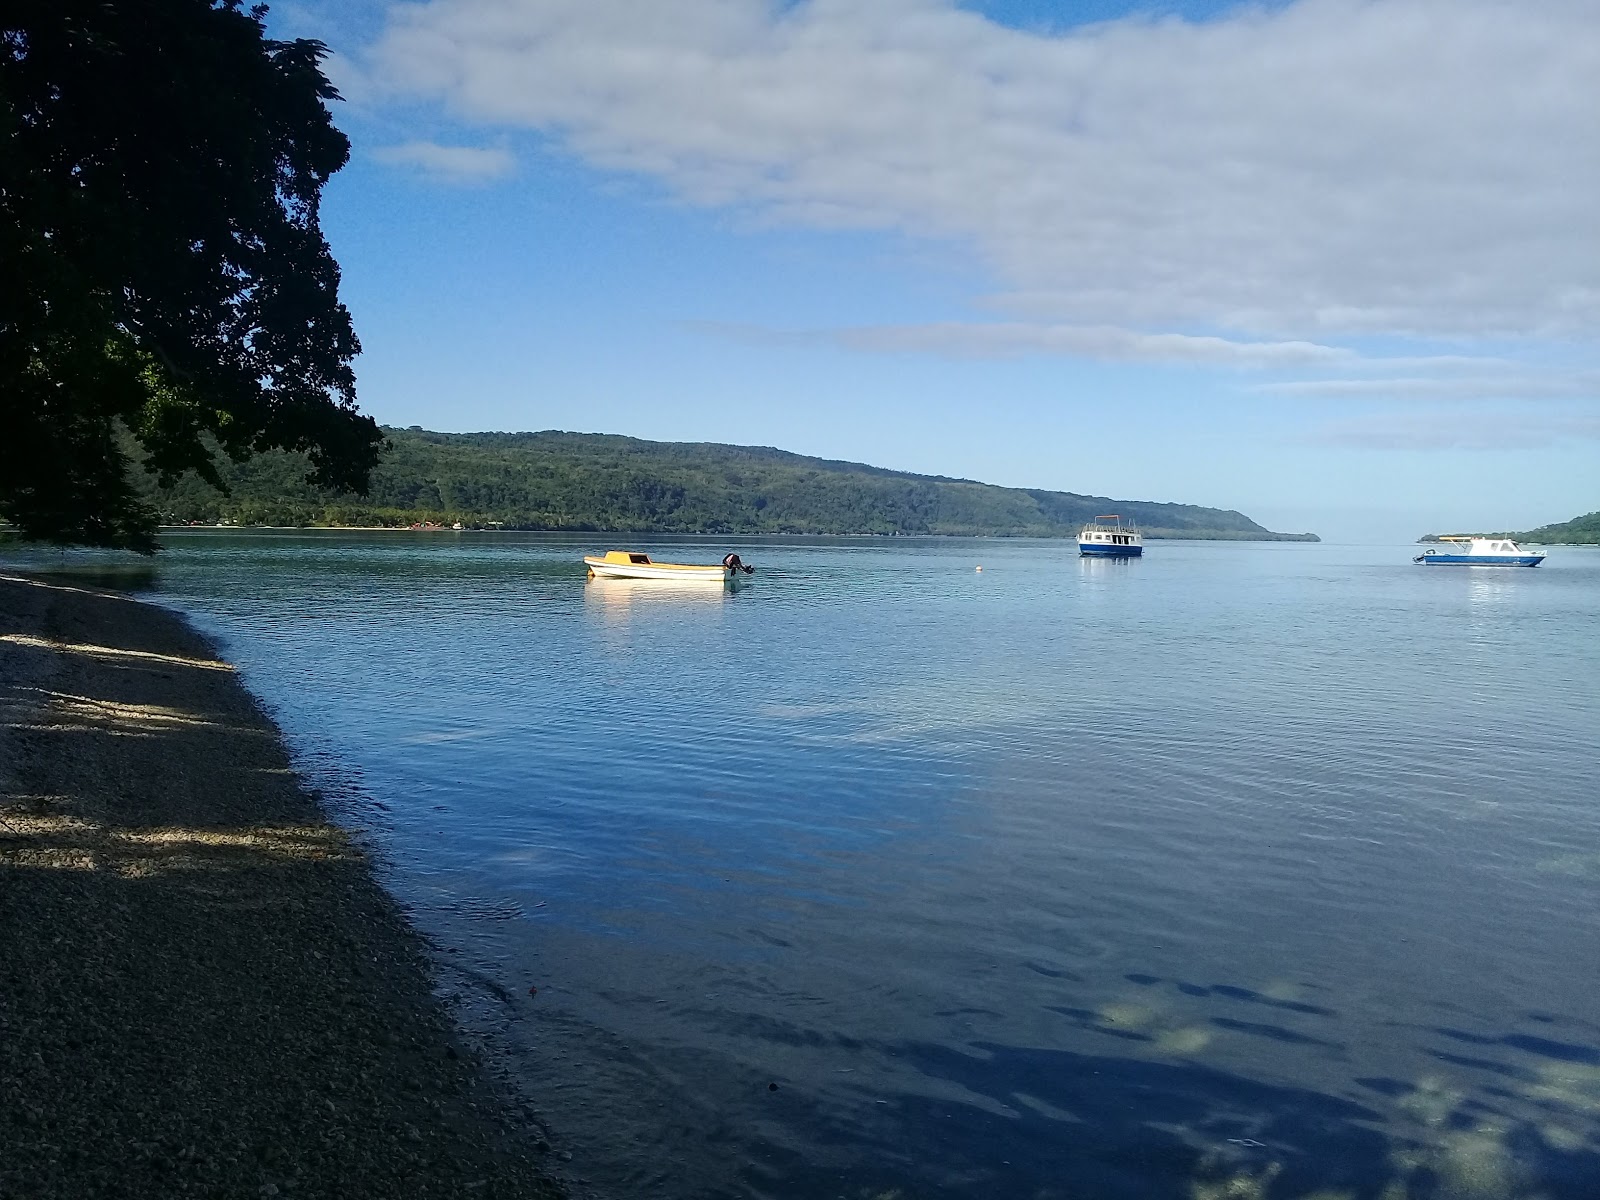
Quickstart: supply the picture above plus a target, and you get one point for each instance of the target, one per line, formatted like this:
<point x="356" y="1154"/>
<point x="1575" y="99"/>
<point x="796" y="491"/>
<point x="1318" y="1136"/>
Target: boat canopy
<point x="1099" y="525"/>
<point x="1483" y="545"/>
<point x="627" y="556"/>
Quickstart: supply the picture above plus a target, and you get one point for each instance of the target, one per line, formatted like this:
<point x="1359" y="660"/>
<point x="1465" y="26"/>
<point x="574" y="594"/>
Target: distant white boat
<point x="1100" y="540"/>
<point x="1467" y="551"/>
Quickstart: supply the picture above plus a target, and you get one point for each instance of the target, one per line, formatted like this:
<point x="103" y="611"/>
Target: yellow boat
<point x="630" y="564"/>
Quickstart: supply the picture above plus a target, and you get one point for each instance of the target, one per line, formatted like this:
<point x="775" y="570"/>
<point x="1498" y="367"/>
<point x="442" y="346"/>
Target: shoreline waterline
<point x="204" y="989"/>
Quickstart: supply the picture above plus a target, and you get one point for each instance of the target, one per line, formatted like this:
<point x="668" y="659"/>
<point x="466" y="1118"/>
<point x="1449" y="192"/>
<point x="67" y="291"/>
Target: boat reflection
<point x="620" y="598"/>
<point x="1485" y="591"/>
<point x="1099" y="566"/>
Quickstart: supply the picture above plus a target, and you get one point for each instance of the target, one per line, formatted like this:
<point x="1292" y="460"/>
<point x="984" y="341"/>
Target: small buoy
<point x="772" y="1087"/>
<point x="980" y="568"/>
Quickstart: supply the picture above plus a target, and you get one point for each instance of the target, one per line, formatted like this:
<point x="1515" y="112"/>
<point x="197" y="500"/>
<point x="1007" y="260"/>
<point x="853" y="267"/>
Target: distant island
<point x="1580" y="531"/>
<point x="608" y="483"/>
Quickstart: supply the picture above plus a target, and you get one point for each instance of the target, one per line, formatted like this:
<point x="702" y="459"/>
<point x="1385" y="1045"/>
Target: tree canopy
<point x="164" y="267"/>
<point x="1580" y="531"/>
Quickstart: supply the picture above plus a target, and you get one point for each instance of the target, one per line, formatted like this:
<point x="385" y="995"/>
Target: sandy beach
<point x="203" y="989"/>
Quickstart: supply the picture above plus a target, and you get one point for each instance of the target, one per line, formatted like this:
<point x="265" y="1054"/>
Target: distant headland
<point x="609" y="483"/>
<point x="1580" y="531"/>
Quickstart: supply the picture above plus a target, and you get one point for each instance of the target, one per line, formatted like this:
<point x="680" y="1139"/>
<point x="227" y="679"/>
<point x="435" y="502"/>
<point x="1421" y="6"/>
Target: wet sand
<point x="203" y="989"/>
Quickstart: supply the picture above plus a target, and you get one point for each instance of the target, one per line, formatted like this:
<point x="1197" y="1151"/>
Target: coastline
<point x="1155" y="535"/>
<point x="203" y="988"/>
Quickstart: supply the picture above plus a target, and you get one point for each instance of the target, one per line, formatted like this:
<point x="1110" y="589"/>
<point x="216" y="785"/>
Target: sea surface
<point x="1244" y="870"/>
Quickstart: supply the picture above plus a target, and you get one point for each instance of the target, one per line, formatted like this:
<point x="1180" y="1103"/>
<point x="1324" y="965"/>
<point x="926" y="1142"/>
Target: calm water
<point x="1241" y="870"/>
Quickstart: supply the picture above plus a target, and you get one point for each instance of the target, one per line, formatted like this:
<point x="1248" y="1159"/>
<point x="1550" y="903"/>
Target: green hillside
<point x="602" y="482"/>
<point x="1580" y="531"/>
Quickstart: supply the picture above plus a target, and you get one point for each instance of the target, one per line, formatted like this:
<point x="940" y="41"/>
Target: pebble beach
<point x="204" y="989"/>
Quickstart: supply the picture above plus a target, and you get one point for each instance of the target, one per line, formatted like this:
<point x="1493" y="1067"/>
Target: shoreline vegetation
<point x="1580" y="531"/>
<point x="603" y="483"/>
<point x="204" y="990"/>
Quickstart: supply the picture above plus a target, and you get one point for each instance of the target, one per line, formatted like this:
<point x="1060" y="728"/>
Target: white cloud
<point x="1489" y="386"/>
<point x="1108" y="343"/>
<point x="1333" y="166"/>
<point x="958" y="339"/>
<point x="450" y="164"/>
<point x="1449" y="429"/>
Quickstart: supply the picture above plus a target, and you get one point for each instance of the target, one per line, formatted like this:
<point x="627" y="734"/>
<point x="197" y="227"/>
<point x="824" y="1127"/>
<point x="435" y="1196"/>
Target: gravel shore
<point x="203" y="989"/>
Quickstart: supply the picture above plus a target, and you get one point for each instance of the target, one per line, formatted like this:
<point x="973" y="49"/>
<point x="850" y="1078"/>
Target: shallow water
<point x="1239" y="870"/>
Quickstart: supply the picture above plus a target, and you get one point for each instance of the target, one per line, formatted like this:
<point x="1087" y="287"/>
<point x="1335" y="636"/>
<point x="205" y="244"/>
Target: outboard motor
<point x="732" y="562"/>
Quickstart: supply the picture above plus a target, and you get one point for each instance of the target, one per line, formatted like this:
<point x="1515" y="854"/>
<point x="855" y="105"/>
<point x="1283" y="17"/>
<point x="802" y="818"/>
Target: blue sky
<point x="1329" y="262"/>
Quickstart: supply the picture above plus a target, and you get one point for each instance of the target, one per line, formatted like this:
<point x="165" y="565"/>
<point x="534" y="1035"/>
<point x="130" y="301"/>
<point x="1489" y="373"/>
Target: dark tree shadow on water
<point x="119" y="576"/>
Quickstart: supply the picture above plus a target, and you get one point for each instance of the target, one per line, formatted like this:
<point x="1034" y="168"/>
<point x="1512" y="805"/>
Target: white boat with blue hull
<point x="1468" y="551"/>
<point x="1100" y="540"/>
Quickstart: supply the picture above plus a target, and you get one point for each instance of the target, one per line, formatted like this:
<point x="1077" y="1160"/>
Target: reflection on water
<point x="1200" y="876"/>
<point x="1093" y="565"/>
<point x="1488" y="586"/>
<point x="614" y="597"/>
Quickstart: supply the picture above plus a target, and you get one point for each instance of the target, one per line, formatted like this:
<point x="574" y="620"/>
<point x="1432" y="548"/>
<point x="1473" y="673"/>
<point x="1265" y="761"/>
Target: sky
<point x="1333" y="263"/>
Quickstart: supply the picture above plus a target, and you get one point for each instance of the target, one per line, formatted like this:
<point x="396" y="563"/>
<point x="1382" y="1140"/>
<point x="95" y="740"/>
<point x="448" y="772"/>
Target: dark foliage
<point x="164" y="268"/>
<point x="581" y="481"/>
<point x="1580" y="531"/>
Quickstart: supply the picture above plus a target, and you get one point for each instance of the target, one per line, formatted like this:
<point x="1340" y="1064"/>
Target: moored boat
<point x="1468" y="551"/>
<point x="631" y="564"/>
<point x="1100" y="540"/>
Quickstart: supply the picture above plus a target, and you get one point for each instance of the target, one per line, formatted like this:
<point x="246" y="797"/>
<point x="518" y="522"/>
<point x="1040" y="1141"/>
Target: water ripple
<point x="1240" y="870"/>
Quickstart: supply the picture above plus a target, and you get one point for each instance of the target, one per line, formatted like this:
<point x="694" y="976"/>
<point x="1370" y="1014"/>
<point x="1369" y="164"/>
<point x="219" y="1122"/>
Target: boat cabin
<point x="1482" y="545"/>
<point x="625" y="557"/>
<point x="1107" y="536"/>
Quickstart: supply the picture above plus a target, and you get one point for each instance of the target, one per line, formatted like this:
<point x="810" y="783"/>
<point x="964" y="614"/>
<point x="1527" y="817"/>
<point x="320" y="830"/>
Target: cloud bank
<point x="1446" y="429"/>
<point x="1490" y="385"/>
<point x="1332" y="167"/>
<point x="449" y="164"/>
<point x="1012" y="339"/>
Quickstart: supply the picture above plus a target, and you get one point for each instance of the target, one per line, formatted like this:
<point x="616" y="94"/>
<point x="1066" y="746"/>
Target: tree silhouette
<point x="162" y="261"/>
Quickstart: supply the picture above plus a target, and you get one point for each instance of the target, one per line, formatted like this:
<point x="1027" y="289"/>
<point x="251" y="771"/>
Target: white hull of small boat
<point x="682" y="573"/>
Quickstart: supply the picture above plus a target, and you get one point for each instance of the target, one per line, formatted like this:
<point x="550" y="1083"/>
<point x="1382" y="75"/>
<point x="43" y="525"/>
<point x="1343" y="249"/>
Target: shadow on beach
<point x="202" y="988"/>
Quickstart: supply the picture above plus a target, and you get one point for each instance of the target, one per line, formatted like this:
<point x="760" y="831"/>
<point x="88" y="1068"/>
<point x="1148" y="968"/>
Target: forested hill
<point x="580" y="481"/>
<point x="1580" y="531"/>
